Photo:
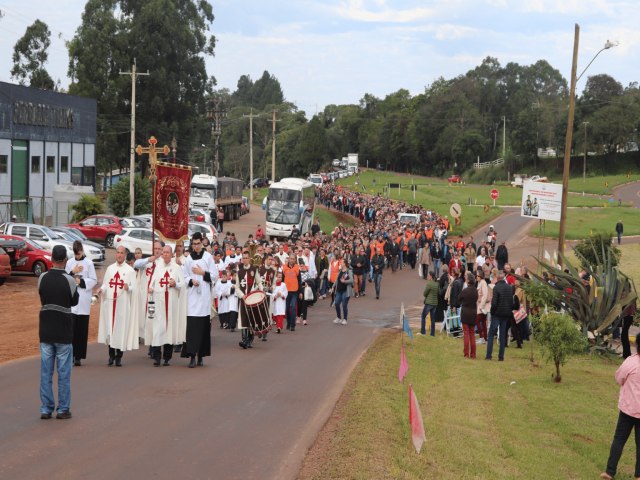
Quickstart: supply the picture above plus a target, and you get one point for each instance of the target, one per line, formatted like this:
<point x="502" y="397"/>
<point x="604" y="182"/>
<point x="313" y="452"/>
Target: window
<point x="37" y="234"/>
<point x="35" y="164"/>
<point x="20" y="231"/>
<point x="76" y="175"/>
<point x="105" y="221"/>
<point x="51" y="164"/>
<point x="3" y="163"/>
<point x="135" y="234"/>
<point x="88" y="222"/>
<point x="64" y="164"/>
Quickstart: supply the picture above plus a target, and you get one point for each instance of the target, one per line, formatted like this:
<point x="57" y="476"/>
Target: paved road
<point x="245" y="415"/>
<point x="629" y="193"/>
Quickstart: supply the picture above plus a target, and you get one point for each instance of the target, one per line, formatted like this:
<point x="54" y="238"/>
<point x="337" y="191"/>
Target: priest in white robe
<point x="168" y="325"/>
<point x="118" y="328"/>
<point x="200" y="273"/>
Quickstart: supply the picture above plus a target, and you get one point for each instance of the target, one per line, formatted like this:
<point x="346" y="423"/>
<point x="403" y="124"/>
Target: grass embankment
<point x="479" y="423"/>
<point x="599" y="185"/>
<point x="583" y="222"/>
<point x="329" y="219"/>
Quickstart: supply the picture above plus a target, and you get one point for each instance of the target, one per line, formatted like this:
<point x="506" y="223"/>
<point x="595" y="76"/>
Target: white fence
<point x="493" y="163"/>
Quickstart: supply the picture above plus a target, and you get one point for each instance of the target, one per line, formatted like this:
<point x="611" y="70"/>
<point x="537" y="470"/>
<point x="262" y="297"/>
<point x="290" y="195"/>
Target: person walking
<point x="82" y="269"/>
<point x="501" y="313"/>
<point x="483" y="306"/>
<point x="344" y="290"/>
<point x="619" y="230"/>
<point x="292" y="280"/>
<point x="377" y="263"/>
<point x="220" y="218"/>
<point x="430" y="295"/>
<point x="468" y="306"/>
<point x="628" y="377"/>
<point x="58" y="294"/>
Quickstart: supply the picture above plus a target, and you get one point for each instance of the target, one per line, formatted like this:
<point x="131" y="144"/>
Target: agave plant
<point x="595" y="304"/>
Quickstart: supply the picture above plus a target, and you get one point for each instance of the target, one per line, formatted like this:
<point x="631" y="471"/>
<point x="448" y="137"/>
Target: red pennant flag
<point x="415" y="420"/>
<point x="404" y="366"/>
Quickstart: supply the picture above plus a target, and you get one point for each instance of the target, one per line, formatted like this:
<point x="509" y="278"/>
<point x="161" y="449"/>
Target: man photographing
<point x="58" y="293"/>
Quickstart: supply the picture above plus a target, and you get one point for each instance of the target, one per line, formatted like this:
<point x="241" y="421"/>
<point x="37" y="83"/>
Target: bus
<point x="289" y="202"/>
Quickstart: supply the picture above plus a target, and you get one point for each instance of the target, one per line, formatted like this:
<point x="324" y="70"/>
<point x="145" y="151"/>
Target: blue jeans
<point x="291" y="309"/>
<point x="436" y="266"/>
<point x="431" y="310"/>
<point x="401" y="258"/>
<point x="342" y="299"/>
<point x="323" y="286"/>
<point x="503" y="324"/>
<point x="377" y="280"/>
<point x="50" y="353"/>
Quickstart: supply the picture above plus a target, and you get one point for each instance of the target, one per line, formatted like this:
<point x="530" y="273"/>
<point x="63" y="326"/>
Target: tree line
<point x="486" y="113"/>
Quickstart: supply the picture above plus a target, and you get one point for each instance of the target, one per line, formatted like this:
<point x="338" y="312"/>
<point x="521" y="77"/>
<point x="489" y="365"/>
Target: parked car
<point x="5" y="266"/>
<point x="130" y="222"/>
<point x="93" y="251"/>
<point x="204" y="228"/>
<point x="15" y="247"/>
<point x="454" y="179"/>
<point x="101" y="228"/>
<point x="259" y="183"/>
<point x="43" y="236"/>
<point x="32" y="258"/>
<point x="146" y="218"/>
<point x="199" y="215"/>
<point x="132" y="238"/>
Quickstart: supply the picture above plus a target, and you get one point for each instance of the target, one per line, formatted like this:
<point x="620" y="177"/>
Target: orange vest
<point x="335" y="269"/>
<point x="291" y="277"/>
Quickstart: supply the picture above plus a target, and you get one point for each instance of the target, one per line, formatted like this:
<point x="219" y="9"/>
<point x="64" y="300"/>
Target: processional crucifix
<point x="152" y="151"/>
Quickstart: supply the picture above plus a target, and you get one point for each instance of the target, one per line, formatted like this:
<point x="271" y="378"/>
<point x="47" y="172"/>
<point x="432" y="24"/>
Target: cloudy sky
<point x="335" y="51"/>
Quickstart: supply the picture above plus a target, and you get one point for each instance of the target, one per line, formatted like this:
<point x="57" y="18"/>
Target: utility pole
<point x="584" y="161"/>
<point x="215" y="114"/>
<point x="273" y="145"/>
<point x="132" y="158"/>
<point x="251" y="116"/>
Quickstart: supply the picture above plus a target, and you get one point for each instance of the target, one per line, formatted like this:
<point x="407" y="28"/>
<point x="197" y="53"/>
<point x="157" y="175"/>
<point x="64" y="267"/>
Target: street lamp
<point x="584" y="162"/>
<point x="569" y="137"/>
<point x="204" y="157"/>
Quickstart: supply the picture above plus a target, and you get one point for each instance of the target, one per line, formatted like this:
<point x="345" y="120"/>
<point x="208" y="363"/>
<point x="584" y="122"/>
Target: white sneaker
<point x="337" y="320"/>
<point x="344" y="322"/>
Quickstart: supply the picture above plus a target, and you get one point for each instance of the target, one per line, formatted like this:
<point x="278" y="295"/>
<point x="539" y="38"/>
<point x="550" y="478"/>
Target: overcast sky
<point x="335" y="51"/>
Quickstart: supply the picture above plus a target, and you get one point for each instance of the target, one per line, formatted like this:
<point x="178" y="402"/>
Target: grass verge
<point x="478" y="423"/>
<point x="582" y="222"/>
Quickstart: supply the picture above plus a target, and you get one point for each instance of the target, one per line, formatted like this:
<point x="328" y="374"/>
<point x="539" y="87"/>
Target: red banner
<point x="171" y="201"/>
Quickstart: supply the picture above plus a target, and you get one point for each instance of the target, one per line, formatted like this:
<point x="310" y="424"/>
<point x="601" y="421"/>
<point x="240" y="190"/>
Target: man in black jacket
<point x="377" y="262"/>
<point x="501" y="312"/>
<point x="58" y="293"/>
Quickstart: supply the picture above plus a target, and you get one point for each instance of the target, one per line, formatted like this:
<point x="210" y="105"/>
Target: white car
<point x="132" y="238"/>
<point x="146" y="218"/>
<point x="200" y="215"/>
<point x="204" y="228"/>
<point x="93" y="251"/>
<point x="131" y="222"/>
<point x="43" y="236"/>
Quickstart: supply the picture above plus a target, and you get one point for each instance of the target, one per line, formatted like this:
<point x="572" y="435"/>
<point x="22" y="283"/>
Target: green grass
<point x="629" y="262"/>
<point x="582" y="222"/>
<point x="483" y="420"/>
<point x="329" y="221"/>
<point x="599" y="185"/>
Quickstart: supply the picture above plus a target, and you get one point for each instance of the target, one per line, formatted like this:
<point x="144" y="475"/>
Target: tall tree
<point x="30" y="56"/>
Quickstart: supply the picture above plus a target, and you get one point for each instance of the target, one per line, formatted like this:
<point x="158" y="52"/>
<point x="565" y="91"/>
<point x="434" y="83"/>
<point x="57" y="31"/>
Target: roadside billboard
<point x="541" y="200"/>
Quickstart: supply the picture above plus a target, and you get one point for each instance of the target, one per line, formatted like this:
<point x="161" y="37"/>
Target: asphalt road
<point x="629" y="193"/>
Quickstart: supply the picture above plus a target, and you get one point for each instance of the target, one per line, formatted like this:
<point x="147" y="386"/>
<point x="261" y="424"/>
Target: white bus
<point x="289" y="202"/>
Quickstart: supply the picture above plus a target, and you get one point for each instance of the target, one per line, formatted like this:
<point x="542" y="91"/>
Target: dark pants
<point x="624" y="337"/>
<point x="619" y="239"/>
<point x="625" y="424"/>
<point x="502" y="323"/>
<point x="302" y="307"/>
<point x="411" y="258"/>
<point x="220" y="225"/>
<point x="291" y="310"/>
<point x="431" y="310"/>
<point x="115" y="353"/>
<point x="377" y="281"/>
<point x="481" y="325"/>
<point x="80" y="336"/>
<point x="198" y="341"/>
<point x="518" y="331"/>
<point x="165" y="351"/>
<point x="232" y="316"/>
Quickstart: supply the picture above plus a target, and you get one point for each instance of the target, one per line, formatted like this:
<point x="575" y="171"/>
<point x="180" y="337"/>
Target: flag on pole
<point x="404" y="366"/>
<point x="405" y="323"/>
<point x="415" y="420"/>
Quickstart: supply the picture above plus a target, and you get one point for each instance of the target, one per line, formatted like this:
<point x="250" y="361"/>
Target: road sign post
<point x="494" y="195"/>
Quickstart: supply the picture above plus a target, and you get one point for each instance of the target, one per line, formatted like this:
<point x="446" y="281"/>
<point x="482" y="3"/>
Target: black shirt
<point x="58" y="293"/>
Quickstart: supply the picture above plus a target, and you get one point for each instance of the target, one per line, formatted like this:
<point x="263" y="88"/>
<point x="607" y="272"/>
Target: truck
<point x="209" y="192"/>
<point x="352" y="162"/>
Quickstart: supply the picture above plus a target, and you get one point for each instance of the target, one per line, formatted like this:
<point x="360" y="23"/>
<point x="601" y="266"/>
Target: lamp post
<point x="204" y="157"/>
<point x="584" y="161"/>
<point x="569" y="137"/>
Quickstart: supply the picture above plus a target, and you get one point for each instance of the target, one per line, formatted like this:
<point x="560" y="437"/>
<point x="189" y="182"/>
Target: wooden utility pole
<point x="251" y="116"/>
<point x="132" y="155"/>
<point x="273" y="145"/>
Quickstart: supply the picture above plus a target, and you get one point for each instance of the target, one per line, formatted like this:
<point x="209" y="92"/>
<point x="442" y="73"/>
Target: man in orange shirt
<point x="291" y="273"/>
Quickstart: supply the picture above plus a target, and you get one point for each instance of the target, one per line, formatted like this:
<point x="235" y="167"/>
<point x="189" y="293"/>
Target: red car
<point x="5" y="266"/>
<point x="100" y="228"/>
<point x="454" y="179"/>
<point x="32" y="258"/>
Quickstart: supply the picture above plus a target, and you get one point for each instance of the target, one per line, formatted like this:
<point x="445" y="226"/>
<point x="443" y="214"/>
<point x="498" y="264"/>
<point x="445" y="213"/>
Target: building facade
<point x="46" y="139"/>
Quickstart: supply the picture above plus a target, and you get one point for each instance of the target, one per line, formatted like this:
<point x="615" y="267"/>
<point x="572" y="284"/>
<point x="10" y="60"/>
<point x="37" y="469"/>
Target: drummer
<point x="247" y="280"/>
<point x="268" y="276"/>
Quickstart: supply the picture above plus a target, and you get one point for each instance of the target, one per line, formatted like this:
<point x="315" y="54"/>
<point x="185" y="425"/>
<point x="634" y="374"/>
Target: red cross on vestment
<point x="164" y="282"/>
<point x="115" y="283"/>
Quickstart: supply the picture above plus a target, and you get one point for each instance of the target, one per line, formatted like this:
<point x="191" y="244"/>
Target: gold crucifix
<point x="153" y="155"/>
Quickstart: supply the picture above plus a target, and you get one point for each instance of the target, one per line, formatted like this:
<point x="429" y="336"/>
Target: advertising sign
<point x="541" y="200"/>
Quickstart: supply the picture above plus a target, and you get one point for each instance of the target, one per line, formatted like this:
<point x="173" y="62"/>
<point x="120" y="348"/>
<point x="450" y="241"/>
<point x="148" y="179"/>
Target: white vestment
<point x="88" y="274"/>
<point x="223" y="293"/>
<point x="199" y="301"/>
<point x="118" y="327"/>
<point x="279" y="299"/>
<point x="169" y="325"/>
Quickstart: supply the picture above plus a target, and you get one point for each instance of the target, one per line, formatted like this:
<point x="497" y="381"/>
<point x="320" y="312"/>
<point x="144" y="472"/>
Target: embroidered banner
<point x="171" y="201"/>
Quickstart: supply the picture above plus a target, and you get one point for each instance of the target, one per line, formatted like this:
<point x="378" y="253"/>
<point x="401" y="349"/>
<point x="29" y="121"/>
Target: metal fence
<point x="493" y="163"/>
<point x="41" y="210"/>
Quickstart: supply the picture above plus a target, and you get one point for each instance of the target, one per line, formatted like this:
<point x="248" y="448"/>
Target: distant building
<point x="46" y="138"/>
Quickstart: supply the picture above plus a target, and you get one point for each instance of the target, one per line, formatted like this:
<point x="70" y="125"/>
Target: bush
<point x="592" y="249"/>
<point x="87" y="205"/>
<point x="486" y="176"/>
<point x="119" y="196"/>
<point x="559" y="337"/>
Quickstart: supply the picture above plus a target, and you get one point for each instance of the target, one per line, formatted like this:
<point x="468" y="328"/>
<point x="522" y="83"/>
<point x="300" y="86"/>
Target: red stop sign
<point x="495" y="194"/>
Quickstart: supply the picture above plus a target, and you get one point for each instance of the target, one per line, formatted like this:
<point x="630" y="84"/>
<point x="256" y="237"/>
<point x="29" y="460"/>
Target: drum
<point x="258" y="317"/>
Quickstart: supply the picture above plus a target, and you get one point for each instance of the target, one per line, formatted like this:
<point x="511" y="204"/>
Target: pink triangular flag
<point x="404" y="366"/>
<point x="415" y="420"/>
